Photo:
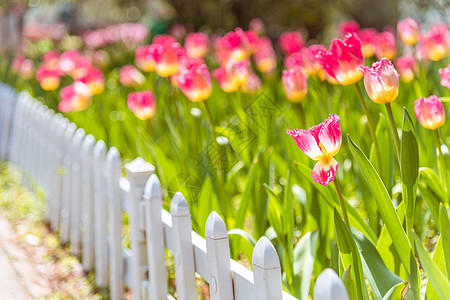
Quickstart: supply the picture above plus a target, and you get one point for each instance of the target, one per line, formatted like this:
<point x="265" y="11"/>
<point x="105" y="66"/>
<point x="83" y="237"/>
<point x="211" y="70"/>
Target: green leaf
<point x="433" y="182"/>
<point x="349" y="253"/>
<point x="246" y="247"/>
<point x="380" y="278"/>
<point x="395" y="292"/>
<point x="349" y="284"/>
<point x="444" y="226"/>
<point x="409" y="153"/>
<point x="438" y="259"/>
<point x="389" y="216"/>
<point x="206" y="203"/>
<point x="437" y="279"/>
<point x="304" y="254"/>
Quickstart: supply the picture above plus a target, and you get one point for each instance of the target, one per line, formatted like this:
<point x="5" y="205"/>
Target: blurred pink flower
<point x="381" y="81"/>
<point x="27" y="69"/>
<point x="164" y="39"/>
<point x="142" y="104"/>
<point x="368" y="40"/>
<point x="321" y="142"/>
<point x="145" y="59"/>
<point x="407" y="67"/>
<point x="295" y="84"/>
<point x="234" y="45"/>
<point x="48" y="78"/>
<point x="17" y="63"/>
<point x="166" y="58"/>
<point x="95" y="80"/>
<point x="264" y="56"/>
<point x="238" y="70"/>
<point x="225" y="81"/>
<point x="75" y="97"/>
<point x="430" y="112"/>
<point x="257" y="25"/>
<point x="385" y="45"/>
<point x="434" y="43"/>
<point x="291" y="42"/>
<point x="347" y="27"/>
<point x="196" y="44"/>
<point x="195" y="82"/>
<point x="253" y="84"/>
<point x="130" y="76"/>
<point x="408" y="31"/>
<point x="445" y="76"/>
<point x="343" y="59"/>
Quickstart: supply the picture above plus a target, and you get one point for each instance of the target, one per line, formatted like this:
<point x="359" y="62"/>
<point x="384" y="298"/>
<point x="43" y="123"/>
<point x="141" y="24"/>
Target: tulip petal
<point x="306" y="142"/>
<point x="325" y="170"/>
<point x="330" y="135"/>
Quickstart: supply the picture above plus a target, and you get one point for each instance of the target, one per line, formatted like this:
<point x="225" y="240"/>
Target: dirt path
<point x="22" y="273"/>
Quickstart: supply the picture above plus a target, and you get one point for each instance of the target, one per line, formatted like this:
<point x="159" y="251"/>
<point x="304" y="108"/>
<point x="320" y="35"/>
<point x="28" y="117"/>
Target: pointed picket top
<point x="78" y="138"/>
<point x="100" y="150"/>
<point x="153" y="187"/>
<point x="265" y="255"/>
<point x="70" y="130"/>
<point x="179" y="206"/>
<point x="87" y="149"/>
<point x="329" y="287"/>
<point x="49" y="114"/>
<point x="113" y="161"/>
<point x="215" y="227"/>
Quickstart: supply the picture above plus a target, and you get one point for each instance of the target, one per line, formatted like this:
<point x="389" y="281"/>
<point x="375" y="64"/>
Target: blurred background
<point x="40" y="19"/>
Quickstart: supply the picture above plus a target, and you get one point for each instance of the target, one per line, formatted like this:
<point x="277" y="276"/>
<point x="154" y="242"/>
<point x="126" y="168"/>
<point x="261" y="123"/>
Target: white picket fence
<point x="86" y="197"/>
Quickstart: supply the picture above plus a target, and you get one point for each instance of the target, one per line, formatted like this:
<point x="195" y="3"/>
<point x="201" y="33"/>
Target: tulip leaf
<point x="349" y="284"/>
<point x="380" y="278"/>
<point x="350" y="254"/>
<point x="304" y="254"/>
<point x="239" y="235"/>
<point x="438" y="259"/>
<point x="389" y="216"/>
<point x="444" y="226"/>
<point x="395" y="292"/>
<point x="436" y="277"/>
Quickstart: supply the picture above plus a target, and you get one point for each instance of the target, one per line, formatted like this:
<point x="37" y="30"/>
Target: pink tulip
<point x="234" y="45"/>
<point x="142" y="104"/>
<point x="368" y="41"/>
<point x="67" y="60"/>
<point x="445" y="76"/>
<point x="295" y="84"/>
<point x="162" y="39"/>
<point x="434" y="43"/>
<point x="17" y="63"/>
<point x="225" y="81"/>
<point x="321" y="142"/>
<point x="253" y="40"/>
<point x="430" y="112"/>
<point x="253" y="85"/>
<point x="381" y="81"/>
<point x="408" y="31"/>
<point x="196" y="44"/>
<point x="347" y="27"/>
<point x="385" y="45"/>
<point x="407" y="67"/>
<point x="238" y="70"/>
<point x="27" y="69"/>
<point x="51" y="58"/>
<point x="166" y="58"/>
<point x="291" y="42"/>
<point x="257" y="25"/>
<point x="265" y="56"/>
<point x="343" y="59"/>
<point x="195" y="82"/>
<point x="75" y="97"/>
<point x="130" y="76"/>
<point x="48" y="78"/>
<point x="145" y="57"/>
<point x="95" y="80"/>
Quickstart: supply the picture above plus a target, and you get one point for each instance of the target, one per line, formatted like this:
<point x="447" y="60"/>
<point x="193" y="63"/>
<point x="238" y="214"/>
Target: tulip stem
<point x="393" y="129"/>
<point x="442" y="168"/>
<point x="301" y="114"/>
<point x="371" y="128"/>
<point x="341" y="202"/>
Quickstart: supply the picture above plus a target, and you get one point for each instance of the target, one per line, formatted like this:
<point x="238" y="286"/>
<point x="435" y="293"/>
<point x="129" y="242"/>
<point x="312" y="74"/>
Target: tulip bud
<point x="196" y="44"/>
<point x="329" y="287"/>
<point x="408" y="31"/>
<point x="445" y="76"/>
<point x="291" y="42"/>
<point x="381" y="81"/>
<point x="195" y="82"/>
<point x="142" y="104"/>
<point x="295" y="84"/>
<point x="75" y="97"/>
<point x="430" y="112"/>
<point x="166" y="58"/>
<point x="265" y="56"/>
<point x="407" y="67"/>
<point x="145" y="58"/>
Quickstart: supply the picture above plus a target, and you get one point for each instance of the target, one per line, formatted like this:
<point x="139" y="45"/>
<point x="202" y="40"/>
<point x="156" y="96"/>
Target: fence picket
<point x="218" y="258"/>
<point x="51" y="160"/>
<point x="87" y="216"/>
<point x="266" y="271"/>
<point x="113" y="171"/>
<point x="138" y="172"/>
<point x="100" y="205"/>
<point x="155" y="239"/>
<point x="183" y="249"/>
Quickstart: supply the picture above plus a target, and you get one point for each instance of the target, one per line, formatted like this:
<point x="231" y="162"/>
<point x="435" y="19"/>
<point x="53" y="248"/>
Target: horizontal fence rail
<point x="86" y="197"/>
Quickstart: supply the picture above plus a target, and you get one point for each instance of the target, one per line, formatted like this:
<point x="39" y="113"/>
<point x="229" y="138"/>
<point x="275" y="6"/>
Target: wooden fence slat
<point x="266" y="271"/>
<point x="87" y="215"/>
<point x="183" y="249"/>
<point x="76" y="200"/>
<point x="113" y="172"/>
<point x="67" y="183"/>
<point x="155" y="239"/>
<point x="138" y="172"/>
<point x="51" y="174"/>
<point x="218" y="257"/>
<point x="100" y="205"/>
